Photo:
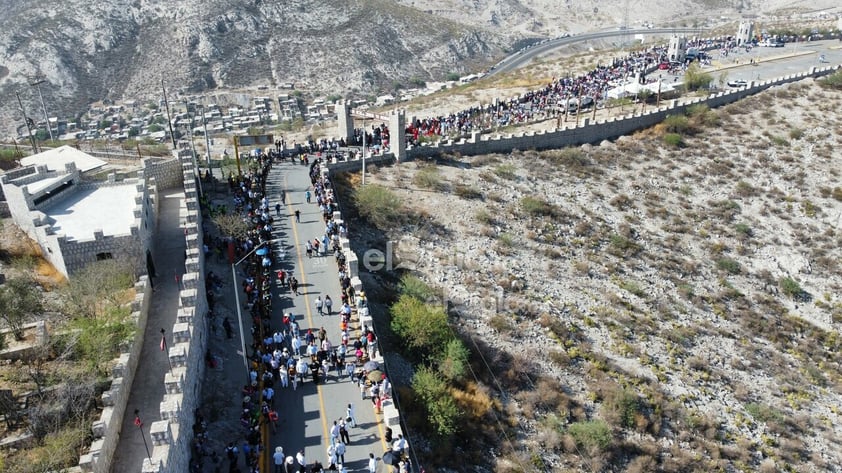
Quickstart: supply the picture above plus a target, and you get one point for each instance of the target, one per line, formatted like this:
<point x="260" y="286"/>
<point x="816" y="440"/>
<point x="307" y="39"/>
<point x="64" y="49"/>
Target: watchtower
<point x="677" y="50"/>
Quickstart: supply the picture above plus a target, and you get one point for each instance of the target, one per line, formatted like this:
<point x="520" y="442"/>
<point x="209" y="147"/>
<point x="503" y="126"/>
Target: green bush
<point x="763" y="413"/>
<point x="467" y="192"/>
<point x="622" y="246"/>
<point x="442" y="412"/>
<point x="482" y="216"/>
<point x="790" y="287"/>
<point x="537" y="207"/>
<point x="506" y="240"/>
<point x="506" y="171"/>
<point x="413" y="286"/>
<point x="833" y="81"/>
<point x="674" y="139"/>
<point x="423" y="327"/>
<point x="728" y="265"/>
<point x="379" y="205"/>
<point x="454" y="362"/>
<point x="594" y="435"/>
<point x="695" y="78"/>
<point x="429" y="178"/>
<point x="100" y="339"/>
<point x="677" y="123"/>
<point x="624" y="405"/>
<point x="743" y="230"/>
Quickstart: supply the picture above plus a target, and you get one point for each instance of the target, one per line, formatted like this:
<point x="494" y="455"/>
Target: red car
<point x="664" y="66"/>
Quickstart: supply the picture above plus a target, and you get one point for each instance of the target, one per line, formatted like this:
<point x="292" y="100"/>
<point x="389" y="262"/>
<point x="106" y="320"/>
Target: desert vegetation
<point x="48" y="395"/>
<point x="641" y="305"/>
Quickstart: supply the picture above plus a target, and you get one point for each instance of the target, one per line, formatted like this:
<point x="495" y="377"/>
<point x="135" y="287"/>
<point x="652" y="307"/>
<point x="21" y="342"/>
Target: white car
<point x="737" y="83"/>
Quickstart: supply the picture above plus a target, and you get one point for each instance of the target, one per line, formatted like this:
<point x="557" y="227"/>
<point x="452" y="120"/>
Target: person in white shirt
<point x="372" y="463"/>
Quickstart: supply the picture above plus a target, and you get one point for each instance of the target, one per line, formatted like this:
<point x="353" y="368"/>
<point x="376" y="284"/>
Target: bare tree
<point x="20" y="298"/>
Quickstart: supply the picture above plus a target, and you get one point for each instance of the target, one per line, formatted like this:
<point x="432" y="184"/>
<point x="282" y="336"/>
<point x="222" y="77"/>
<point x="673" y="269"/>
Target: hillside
<point x="636" y="306"/>
<point x="88" y="51"/>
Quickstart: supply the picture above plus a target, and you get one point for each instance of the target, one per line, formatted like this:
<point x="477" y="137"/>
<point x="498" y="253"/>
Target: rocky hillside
<point x="121" y="49"/>
<point x="638" y="306"/>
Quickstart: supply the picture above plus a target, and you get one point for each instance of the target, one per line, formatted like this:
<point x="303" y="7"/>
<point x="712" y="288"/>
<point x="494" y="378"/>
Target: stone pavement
<point x="148" y="387"/>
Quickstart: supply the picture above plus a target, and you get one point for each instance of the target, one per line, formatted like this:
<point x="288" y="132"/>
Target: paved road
<point x="800" y="57"/>
<point x="308" y="412"/>
<point x="524" y="57"/>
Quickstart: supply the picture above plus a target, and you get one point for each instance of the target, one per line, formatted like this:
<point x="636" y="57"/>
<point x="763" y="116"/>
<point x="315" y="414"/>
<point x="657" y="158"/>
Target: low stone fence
<point x="586" y="131"/>
<point x="391" y="415"/>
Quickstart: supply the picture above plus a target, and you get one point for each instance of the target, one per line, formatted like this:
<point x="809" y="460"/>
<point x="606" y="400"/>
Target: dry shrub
<point x="474" y="400"/>
<point x="641" y="464"/>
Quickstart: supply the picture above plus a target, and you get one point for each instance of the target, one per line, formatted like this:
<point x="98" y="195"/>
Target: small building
<point x="77" y="218"/>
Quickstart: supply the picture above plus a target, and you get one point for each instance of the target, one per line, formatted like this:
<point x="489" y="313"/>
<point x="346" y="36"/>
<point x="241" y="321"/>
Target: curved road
<point x="524" y="56"/>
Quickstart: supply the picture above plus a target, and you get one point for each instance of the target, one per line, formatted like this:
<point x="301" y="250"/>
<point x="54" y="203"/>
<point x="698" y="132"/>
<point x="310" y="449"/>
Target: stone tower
<point x="397" y="132"/>
<point x="343" y="118"/>
<point x="677" y="50"/>
<point x="745" y="33"/>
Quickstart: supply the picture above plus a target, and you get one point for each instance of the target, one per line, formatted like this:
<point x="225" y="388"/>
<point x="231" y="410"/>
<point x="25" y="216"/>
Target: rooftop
<point x="109" y="208"/>
<point x="56" y="158"/>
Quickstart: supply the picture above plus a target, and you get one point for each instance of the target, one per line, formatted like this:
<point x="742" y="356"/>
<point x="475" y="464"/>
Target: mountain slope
<point x="89" y="51"/>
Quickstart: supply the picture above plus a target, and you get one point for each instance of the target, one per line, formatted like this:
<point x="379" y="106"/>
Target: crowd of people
<point x="593" y="84"/>
<point x="282" y="354"/>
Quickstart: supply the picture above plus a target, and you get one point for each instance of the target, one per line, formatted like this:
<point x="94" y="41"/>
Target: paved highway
<point x="525" y="56"/>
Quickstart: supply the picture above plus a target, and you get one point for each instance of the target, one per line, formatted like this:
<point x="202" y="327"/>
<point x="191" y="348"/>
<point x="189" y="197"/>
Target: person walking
<point x="278" y="210"/>
<point x="343" y="433"/>
<point x="328" y="304"/>
<point x="334" y="433"/>
<point x="340" y="452"/>
<point x="372" y="463"/>
<point x="307" y="195"/>
<point x="301" y="462"/>
<point x="318" y="306"/>
<point x="349" y="415"/>
<point x="297" y="216"/>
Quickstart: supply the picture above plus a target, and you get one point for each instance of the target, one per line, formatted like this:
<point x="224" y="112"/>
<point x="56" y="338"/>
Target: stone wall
<point x="585" y="132"/>
<point x="172" y="436"/>
<point x="166" y="172"/>
<point x="588" y="132"/>
<point x="106" y="430"/>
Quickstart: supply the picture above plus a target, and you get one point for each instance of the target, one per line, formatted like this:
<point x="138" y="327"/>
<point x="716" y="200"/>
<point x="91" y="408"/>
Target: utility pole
<point x="28" y="122"/>
<point x="38" y="81"/>
<point x="169" y="119"/>
<point x="207" y="138"/>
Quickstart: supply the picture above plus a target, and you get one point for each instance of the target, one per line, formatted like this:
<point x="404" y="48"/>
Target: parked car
<point x="737" y="83"/>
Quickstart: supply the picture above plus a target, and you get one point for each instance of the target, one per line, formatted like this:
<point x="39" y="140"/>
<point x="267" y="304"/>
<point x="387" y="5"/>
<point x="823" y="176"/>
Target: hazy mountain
<point x="120" y="49"/>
